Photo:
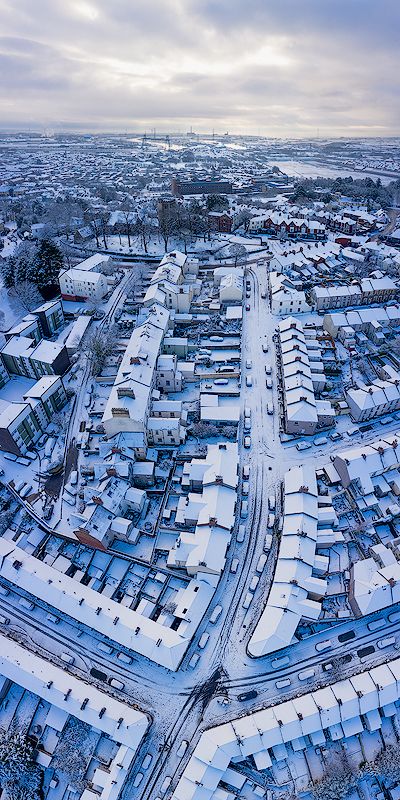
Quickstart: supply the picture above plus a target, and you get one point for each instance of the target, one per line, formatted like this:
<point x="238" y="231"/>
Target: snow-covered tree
<point x="19" y="775"/>
<point x="47" y="263"/>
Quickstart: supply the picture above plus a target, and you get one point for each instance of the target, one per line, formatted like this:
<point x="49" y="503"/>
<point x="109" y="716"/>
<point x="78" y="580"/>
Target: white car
<point x="247" y="442"/>
<point x="303" y="445"/>
<point x="249" y="363"/>
<point x="249" y="380"/>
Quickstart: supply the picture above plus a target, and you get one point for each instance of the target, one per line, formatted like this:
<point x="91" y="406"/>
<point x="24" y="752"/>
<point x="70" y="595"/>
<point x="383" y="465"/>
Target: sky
<point x="285" y="68"/>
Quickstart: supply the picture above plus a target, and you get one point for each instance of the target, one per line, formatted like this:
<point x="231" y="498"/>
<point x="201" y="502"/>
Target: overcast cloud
<point x="274" y="67"/>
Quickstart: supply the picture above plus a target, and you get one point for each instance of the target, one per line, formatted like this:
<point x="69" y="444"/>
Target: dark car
<point x="247" y="695"/>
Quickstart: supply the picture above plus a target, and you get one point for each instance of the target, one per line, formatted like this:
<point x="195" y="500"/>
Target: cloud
<point x="281" y="67"/>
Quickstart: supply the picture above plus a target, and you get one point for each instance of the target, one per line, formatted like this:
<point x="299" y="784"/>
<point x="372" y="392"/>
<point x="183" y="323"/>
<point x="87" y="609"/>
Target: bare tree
<point x="99" y="344"/>
<point x="27" y="294"/>
<point x="238" y="252"/>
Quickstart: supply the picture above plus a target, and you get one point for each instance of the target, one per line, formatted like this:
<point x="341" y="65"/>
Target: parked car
<point x="265" y="347"/>
<point x="249" y="380"/>
<point x="250" y="695"/>
<point x="247" y="442"/>
<point x="271" y="520"/>
<point x="244" y="509"/>
<point x="214" y="617"/>
<point x="303" y="445"/>
<point x="268" y="383"/>
<point x="270" y="408"/>
<point x="268" y="368"/>
<point x="245" y="488"/>
<point x="241" y="534"/>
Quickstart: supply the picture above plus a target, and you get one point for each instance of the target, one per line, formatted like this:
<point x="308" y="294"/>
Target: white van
<point x="234" y="566"/>
<point x="270" y="408"/>
<point x="271" y="502"/>
<point x="246" y="472"/>
<point x="271" y="521"/>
